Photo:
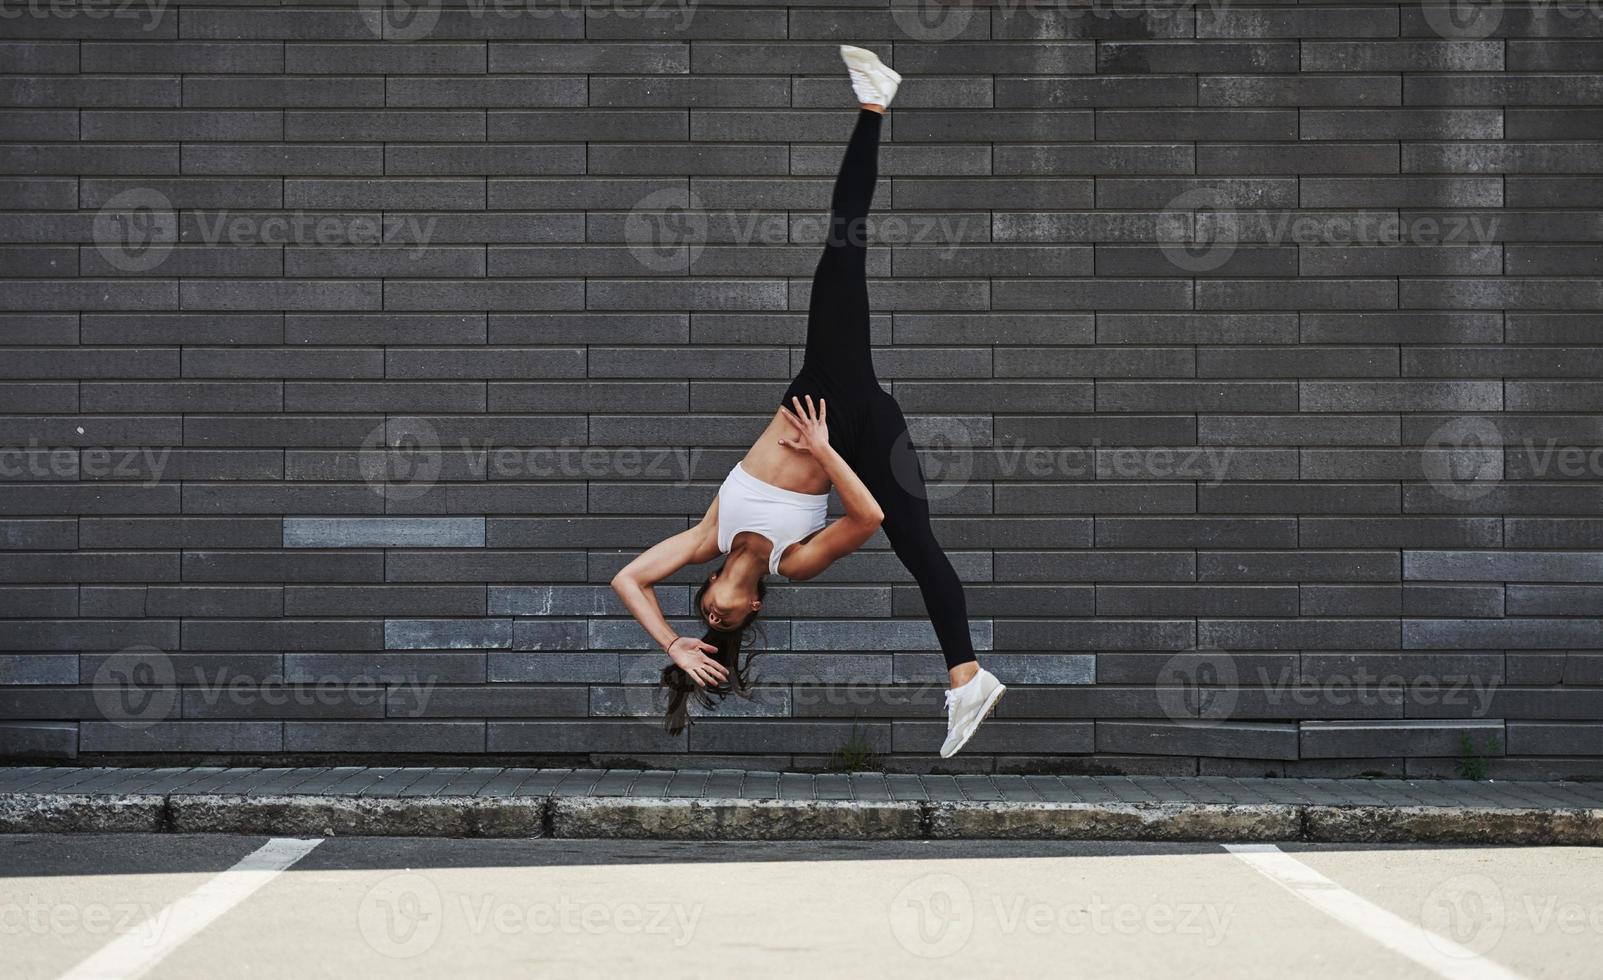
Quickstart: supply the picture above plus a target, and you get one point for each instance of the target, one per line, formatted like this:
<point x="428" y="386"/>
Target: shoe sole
<point x="990" y="706"/>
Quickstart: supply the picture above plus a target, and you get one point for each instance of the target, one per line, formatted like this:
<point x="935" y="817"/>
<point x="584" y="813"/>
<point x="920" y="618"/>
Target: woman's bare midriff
<point x="782" y="466"/>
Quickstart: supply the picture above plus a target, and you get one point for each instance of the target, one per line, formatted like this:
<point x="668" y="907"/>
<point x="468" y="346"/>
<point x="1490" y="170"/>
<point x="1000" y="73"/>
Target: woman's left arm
<point x="863" y="514"/>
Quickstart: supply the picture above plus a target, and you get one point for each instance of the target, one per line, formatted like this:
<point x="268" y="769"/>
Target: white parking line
<point x="133" y="953"/>
<point x="1436" y="953"/>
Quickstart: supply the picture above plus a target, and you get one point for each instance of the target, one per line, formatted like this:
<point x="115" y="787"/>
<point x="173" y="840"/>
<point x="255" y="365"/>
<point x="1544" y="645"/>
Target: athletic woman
<point x="835" y="426"/>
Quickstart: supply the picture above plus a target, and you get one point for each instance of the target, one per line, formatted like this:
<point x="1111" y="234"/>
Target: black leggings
<point x="865" y="424"/>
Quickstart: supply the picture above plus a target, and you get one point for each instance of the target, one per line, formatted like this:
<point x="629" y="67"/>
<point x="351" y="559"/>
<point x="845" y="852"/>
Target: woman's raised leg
<point x="837" y="312"/>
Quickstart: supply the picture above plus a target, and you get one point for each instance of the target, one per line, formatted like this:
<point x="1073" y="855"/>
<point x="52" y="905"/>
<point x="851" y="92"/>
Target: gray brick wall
<point x="1252" y="351"/>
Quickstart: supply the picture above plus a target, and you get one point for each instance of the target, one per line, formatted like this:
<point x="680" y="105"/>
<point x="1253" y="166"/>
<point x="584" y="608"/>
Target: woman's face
<point x="727" y="604"/>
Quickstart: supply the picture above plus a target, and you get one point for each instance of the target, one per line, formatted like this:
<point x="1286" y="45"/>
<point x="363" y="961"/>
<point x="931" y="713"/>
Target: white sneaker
<point x="873" y="83"/>
<point x="967" y="706"/>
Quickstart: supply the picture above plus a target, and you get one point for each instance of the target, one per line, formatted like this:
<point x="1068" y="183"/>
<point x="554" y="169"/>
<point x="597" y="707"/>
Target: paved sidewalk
<point x="756" y="805"/>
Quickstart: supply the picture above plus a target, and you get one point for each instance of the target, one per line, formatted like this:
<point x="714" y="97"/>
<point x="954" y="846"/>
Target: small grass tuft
<point x="1472" y="764"/>
<point x="857" y="755"/>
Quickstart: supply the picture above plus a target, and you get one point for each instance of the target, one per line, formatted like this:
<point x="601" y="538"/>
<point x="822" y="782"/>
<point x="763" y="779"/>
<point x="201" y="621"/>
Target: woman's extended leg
<point x="837" y="313"/>
<point x="889" y="467"/>
<point x="838" y="366"/>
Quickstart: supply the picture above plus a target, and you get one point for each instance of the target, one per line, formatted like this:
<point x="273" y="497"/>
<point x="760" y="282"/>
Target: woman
<point x="835" y="426"/>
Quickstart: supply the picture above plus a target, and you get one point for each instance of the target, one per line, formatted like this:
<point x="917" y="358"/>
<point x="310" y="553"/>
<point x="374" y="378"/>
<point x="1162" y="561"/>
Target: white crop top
<point x="784" y="517"/>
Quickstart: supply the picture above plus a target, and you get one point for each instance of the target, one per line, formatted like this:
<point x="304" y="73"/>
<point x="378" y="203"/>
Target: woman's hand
<point x="812" y="432"/>
<point x="690" y="654"/>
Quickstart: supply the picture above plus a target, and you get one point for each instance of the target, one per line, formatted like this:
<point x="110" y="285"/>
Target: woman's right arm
<point x="634" y="581"/>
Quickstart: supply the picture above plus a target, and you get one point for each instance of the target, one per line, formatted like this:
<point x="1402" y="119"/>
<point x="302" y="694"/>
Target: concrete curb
<point x="55" y="813"/>
<point x="591" y="817"/>
<point x="1117" y="821"/>
<point x="429" y="816"/>
<point x="734" y="819"/>
<point x="1452" y="825"/>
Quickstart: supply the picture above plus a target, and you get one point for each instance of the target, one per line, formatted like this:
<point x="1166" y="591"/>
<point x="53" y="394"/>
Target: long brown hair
<point x="681" y="687"/>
